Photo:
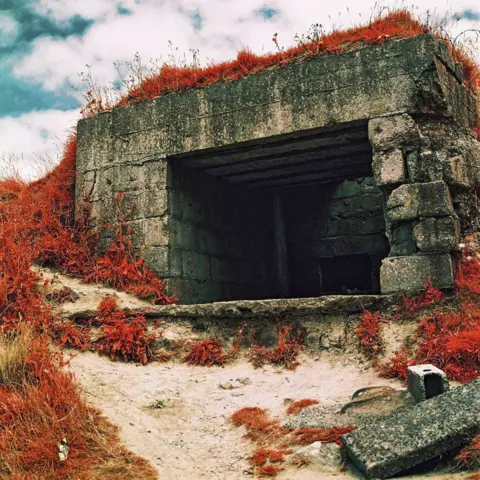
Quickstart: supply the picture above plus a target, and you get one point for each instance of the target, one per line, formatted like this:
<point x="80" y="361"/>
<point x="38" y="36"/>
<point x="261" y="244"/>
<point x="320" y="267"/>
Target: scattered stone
<point x="414" y="435"/>
<point x="426" y="381"/>
<point x="238" y="383"/>
<point x="326" y="456"/>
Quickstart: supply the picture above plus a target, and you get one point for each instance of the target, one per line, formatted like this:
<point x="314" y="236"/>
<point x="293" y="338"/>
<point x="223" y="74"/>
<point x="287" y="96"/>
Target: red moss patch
<point x="299" y="405"/>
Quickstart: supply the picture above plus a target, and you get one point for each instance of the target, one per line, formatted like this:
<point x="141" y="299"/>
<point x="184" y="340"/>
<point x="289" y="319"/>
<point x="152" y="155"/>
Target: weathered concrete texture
<point x="437" y="234"/>
<point x="393" y="132"/>
<point x="426" y="381"/>
<point x="272" y="308"/>
<point x="401" y="240"/>
<point x="403" y="75"/>
<point x="409" y="274"/>
<point x="414" y="435"/>
<point x="414" y="200"/>
<point x="388" y="167"/>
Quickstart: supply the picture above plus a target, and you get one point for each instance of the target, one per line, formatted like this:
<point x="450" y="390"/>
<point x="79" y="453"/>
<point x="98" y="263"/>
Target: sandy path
<point x="191" y="438"/>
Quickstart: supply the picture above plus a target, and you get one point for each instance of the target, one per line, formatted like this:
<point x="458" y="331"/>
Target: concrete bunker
<point x="345" y="173"/>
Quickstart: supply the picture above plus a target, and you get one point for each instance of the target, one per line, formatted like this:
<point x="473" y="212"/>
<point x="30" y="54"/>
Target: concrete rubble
<point x="415" y="435"/>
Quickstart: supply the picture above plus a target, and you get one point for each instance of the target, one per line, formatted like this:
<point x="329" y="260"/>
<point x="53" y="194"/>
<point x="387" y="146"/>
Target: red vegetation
<point x="307" y="436"/>
<point x="469" y="456"/>
<point x="122" y="337"/>
<point x="368" y="331"/>
<point x="207" y="353"/>
<point x="269" y="471"/>
<point x="120" y="268"/>
<point x="448" y="339"/>
<point x="395" y="25"/>
<point x="299" y="405"/>
<point x="44" y="407"/>
<point x="476" y="130"/>
<point x="272" y="439"/>
<point x="412" y="306"/>
<point x="284" y="353"/>
<point x="397" y="365"/>
<point x="68" y="335"/>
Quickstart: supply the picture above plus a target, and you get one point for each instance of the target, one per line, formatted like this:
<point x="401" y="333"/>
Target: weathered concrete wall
<point x="424" y="162"/>
<point x="220" y="239"/>
<point x="333" y="220"/>
<point x="428" y="169"/>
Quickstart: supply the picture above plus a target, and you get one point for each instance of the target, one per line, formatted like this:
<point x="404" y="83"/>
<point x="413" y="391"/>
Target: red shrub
<point x="469" y="456"/>
<point x="476" y="130"/>
<point x="272" y="439"/>
<point x="120" y="268"/>
<point x="397" y="365"/>
<point x="47" y="407"/>
<point x="299" y="405"/>
<point x="368" y="331"/>
<point x="411" y="306"/>
<point x="123" y="337"/>
<point x="207" y="353"/>
<point x="68" y="335"/>
<point x="284" y="353"/>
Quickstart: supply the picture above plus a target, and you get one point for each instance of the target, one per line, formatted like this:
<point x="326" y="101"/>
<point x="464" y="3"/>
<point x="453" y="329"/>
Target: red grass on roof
<point x="396" y="25"/>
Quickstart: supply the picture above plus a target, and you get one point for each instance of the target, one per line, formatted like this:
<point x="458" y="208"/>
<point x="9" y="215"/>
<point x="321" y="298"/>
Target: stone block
<point x="409" y="274"/>
<point x="396" y="131"/>
<point x="456" y="171"/>
<point x="410" y="201"/>
<point x="158" y="259"/>
<point x="426" y="381"/>
<point x="401" y="240"/>
<point x="435" y="200"/>
<point x="424" y="166"/>
<point x="437" y="234"/>
<point x="414" y="435"/>
<point x="388" y="167"/>
<point x="403" y="203"/>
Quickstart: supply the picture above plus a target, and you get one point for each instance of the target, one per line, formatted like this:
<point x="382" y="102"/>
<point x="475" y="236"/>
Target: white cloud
<point x="34" y="138"/>
<point x="8" y="30"/>
<point x="227" y="26"/>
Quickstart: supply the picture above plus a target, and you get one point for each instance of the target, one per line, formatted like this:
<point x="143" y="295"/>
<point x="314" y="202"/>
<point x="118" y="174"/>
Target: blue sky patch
<point x="197" y="20"/>
<point x="469" y="14"/>
<point x="267" y="13"/>
<point x="19" y="97"/>
<point x="123" y="11"/>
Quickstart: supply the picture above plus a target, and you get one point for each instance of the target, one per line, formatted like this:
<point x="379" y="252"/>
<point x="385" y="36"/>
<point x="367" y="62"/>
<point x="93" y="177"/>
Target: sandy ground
<point x="191" y="437"/>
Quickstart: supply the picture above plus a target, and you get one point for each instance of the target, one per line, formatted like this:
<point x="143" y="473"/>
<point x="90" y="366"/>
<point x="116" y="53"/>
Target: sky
<point x="47" y="47"/>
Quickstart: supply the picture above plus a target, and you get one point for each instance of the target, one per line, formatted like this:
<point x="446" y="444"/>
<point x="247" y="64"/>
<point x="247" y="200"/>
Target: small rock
<point x="326" y="456"/>
<point x="226" y="386"/>
<point x="244" y="381"/>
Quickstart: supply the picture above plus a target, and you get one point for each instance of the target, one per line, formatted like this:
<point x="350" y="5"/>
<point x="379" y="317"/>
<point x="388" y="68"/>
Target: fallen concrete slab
<point x="410" y="437"/>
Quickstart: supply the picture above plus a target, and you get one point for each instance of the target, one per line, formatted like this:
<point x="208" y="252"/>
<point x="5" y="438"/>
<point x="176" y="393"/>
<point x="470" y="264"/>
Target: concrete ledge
<point x="409" y="274"/>
<point x="243" y="309"/>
